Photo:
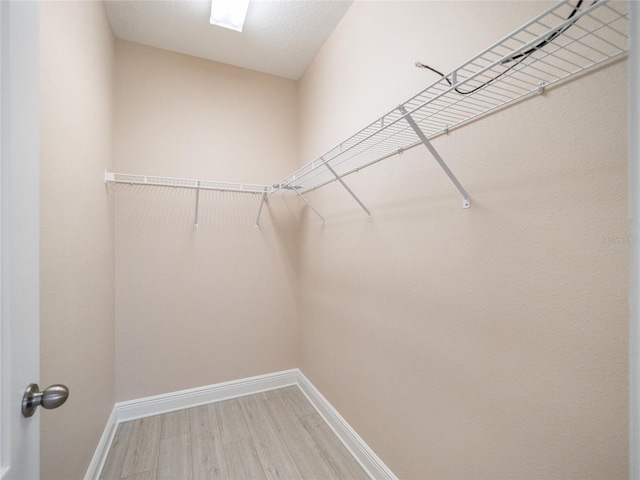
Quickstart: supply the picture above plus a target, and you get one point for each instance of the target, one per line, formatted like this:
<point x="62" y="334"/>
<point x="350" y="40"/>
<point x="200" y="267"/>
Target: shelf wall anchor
<point x="454" y="78"/>
<point x="466" y="201"/>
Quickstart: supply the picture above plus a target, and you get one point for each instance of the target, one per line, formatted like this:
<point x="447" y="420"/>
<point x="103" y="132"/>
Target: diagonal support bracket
<point x="466" y="201"/>
<point x="295" y="189"/>
<point x="196" y="225"/>
<point x="346" y="187"/>
<point x="264" y="198"/>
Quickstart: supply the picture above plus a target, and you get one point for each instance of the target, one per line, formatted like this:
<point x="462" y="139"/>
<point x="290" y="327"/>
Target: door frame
<point x="634" y="263"/>
<point x="19" y="234"/>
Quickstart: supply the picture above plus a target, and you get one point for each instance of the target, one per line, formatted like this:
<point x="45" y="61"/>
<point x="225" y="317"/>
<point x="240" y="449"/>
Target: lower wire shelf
<point x="197" y="185"/>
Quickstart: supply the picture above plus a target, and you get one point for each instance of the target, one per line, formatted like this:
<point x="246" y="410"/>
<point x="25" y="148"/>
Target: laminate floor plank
<point x="270" y="435"/>
<point x="298" y="401"/>
<point x="117" y="452"/>
<point x="233" y="424"/>
<point x="174" y="459"/>
<point x="150" y="475"/>
<point x="269" y="394"/>
<point x="243" y="460"/>
<point x="299" y="442"/>
<point x="273" y="453"/>
<point x="175" y="423"/>
<point x="209" y="462"/>
<point x="142" y="452"/>
<point x="342" y="463"/>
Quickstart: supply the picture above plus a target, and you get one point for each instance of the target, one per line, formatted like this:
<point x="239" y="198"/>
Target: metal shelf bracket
<point x="466" y="201"/>
<point x="295" y="189"/>
<point x="346" y="187"/>
<point x="264" y="197"/>
<point x="195" y="223"/>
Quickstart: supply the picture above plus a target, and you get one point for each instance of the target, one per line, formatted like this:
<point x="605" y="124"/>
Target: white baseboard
<point x="351" y="440"/>
<point x="100" y="455"/>
<point x="170" y="402"/>
<point x="160" y="404"/>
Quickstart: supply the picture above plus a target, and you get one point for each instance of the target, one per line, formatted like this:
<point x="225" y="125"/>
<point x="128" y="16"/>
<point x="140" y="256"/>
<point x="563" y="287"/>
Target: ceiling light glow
<point x="229" y="13"/>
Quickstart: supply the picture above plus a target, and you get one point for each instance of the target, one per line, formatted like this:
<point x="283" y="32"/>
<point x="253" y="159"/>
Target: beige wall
<point x="480" y="343"/>
<point x="195" y="307"/>
<point x="76" y="234"/>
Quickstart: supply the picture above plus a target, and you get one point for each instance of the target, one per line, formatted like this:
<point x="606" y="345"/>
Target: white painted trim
<point x="20" y="249"/>
<point x="159" y="404"/>
<point x="170" y="402"/>
<point x="100" y="455"/>
<point x="634" y="260"/>
<point x="372" y="464"/>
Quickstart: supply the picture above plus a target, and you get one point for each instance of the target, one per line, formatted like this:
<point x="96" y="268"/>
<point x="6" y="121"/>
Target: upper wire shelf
<point x="569" y="38"/>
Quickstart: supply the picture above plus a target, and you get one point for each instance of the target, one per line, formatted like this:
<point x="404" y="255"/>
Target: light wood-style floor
<point x="271" y="435"/>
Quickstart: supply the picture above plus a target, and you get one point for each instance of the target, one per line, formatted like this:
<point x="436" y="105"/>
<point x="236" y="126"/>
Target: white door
<point x="19" y="239"/>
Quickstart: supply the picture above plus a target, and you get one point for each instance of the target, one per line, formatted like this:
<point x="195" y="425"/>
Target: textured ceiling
<point x="280" y="37"/>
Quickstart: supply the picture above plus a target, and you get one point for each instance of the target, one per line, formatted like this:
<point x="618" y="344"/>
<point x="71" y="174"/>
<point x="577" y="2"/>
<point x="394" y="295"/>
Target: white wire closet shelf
<point x="570" y="38"/>
<point x="185" y="183"/>
<point x="197" y="185"/>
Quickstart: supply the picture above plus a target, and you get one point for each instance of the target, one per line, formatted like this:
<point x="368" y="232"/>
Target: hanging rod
<point x="568" y="39"/>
